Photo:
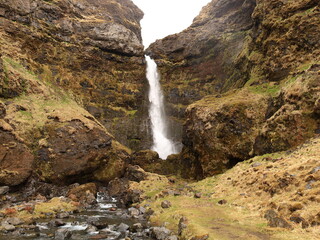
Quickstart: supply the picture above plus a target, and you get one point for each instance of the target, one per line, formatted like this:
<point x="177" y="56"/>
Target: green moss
<point x="266" y="88"/>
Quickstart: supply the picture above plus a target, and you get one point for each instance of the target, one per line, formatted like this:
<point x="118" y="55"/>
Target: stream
<point x="104" y="220"/>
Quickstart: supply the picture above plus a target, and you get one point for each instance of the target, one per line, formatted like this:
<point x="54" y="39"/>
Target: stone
<point x="133" y="212"/>
<point x="4" y="190"/>
<point x="203" y="237"/>
<point x="62" y="234"/>
<point x="142" y="210"/>
<point x="137" y="227"/>
<point x="222" y="202"/>
<point x="160" y="233"/>
<point x="15" y="221"/>
<point x="99" y="224"/>
<point x="166" y="204"/>
<point x="57" y="223"/>
<point x="122" y="227"/>
<point x="63" y="215"/>
<point x="256" y="164"/>
<point x="91" y="229"/>
<point x="182" y="225"/>
<point x="197" y="195"/>
<point x="81" y="191"/>
<point x="8" y="227"/>
<point x="135" y="173"/>
<point x="275" y="221"/>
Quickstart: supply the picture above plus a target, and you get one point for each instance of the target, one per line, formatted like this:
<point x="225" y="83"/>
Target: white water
<point x="161" y="143"/>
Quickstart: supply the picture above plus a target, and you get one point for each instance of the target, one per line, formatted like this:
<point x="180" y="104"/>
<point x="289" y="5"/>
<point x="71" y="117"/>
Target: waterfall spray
<point x="161" y="143"/>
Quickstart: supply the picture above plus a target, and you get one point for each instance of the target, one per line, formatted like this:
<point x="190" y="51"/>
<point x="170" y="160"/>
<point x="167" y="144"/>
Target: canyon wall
<point x="69" y="70"/>
<point x="255" y="66"/>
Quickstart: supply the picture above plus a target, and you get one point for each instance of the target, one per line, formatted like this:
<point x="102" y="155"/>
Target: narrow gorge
<point x="210" y="133"/>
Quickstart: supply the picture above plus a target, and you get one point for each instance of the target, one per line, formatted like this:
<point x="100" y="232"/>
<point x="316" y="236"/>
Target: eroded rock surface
<point x="270" y="49"/>
<point x="89" y="48"/>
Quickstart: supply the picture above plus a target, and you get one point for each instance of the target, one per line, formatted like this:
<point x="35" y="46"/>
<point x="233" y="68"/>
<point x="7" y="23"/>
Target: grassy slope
<point x="244" y="189"/>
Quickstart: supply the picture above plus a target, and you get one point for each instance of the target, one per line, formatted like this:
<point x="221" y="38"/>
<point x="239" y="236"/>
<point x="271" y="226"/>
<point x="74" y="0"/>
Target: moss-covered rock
<point x="91" y="49"/>
<point x="270" y="49"/>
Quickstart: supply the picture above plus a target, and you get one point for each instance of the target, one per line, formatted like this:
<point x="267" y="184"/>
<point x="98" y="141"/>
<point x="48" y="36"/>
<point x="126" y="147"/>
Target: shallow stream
<point x="105" y="220"/>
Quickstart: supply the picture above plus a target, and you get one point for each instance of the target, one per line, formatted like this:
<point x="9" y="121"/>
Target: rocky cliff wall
<point x="268" y="53"/>
<point x="204" y="59"/>
<point x="91" y="49"/>
<point x="68" y="70"/>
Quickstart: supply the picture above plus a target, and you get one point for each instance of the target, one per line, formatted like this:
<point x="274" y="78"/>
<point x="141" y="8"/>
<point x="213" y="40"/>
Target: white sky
<point x="165" y="17"/>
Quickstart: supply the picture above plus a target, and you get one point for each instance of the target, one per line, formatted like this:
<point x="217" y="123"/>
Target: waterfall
<point x="161" y="143"/>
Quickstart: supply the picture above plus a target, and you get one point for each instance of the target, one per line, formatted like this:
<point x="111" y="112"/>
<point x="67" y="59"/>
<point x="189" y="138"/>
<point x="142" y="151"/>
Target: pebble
<point x="197" y="195"/>
<point x="223" y="201"/>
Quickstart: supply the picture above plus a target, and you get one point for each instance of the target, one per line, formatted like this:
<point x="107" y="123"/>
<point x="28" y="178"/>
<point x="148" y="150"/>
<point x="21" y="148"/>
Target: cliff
<point x="91" y="49"/>
<point x="255" y="64"/>
<point x="69" y="70"/>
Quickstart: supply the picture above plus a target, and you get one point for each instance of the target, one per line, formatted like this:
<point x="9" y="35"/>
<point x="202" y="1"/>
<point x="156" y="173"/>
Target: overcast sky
<point x="165" y="17"/>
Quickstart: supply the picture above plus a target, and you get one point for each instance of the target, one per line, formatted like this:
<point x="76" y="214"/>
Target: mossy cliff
<point x="68" y="71"/>
<point x="91" y="49"/>
<point x="255" y="64"/>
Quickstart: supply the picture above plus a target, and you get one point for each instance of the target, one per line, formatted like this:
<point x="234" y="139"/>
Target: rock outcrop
<point x="68" y="69"/>
<point x="268" y="49"/>
<point x="204" y="59"/>
<point x="91" y="49"/>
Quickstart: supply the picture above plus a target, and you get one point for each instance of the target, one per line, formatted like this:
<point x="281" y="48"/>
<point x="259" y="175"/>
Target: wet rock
<point x="98" y="223"/>
<point x="57" y="223"/>
<point x="133" y="212"/>
<point x="122" y="227"/>
<point x="62" y="234"/>
<point x="4" y="190"/>
<point x="137" y="227"/>
<point x="275" y="221"/>
<point x="166" y="204"/>
<point x="91" y="229"/>
<point x="63" y="215"/>
<point x="160" y="233"/>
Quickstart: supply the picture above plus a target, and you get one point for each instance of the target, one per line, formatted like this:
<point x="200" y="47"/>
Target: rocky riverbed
<point x="82" y="212"/>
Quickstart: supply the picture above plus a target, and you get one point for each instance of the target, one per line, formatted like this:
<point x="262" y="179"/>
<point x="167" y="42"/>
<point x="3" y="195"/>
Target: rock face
<point x="269" y="49"/>
<point x="204" y="58"/>
<point x="90" y="48"/>
<point x="16" y="161"/>
<point x="58" y="60"/>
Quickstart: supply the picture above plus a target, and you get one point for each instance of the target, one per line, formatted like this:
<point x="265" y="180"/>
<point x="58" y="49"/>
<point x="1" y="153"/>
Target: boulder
<point x="81" y="192"/>
<point x="160" y="233"/>
<point x="75" y="153"/>
<point x="275" y="221"/>
<point x="4" y="190"/>
<point x="135" y="173"/>
<point x="13" y="171"/>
